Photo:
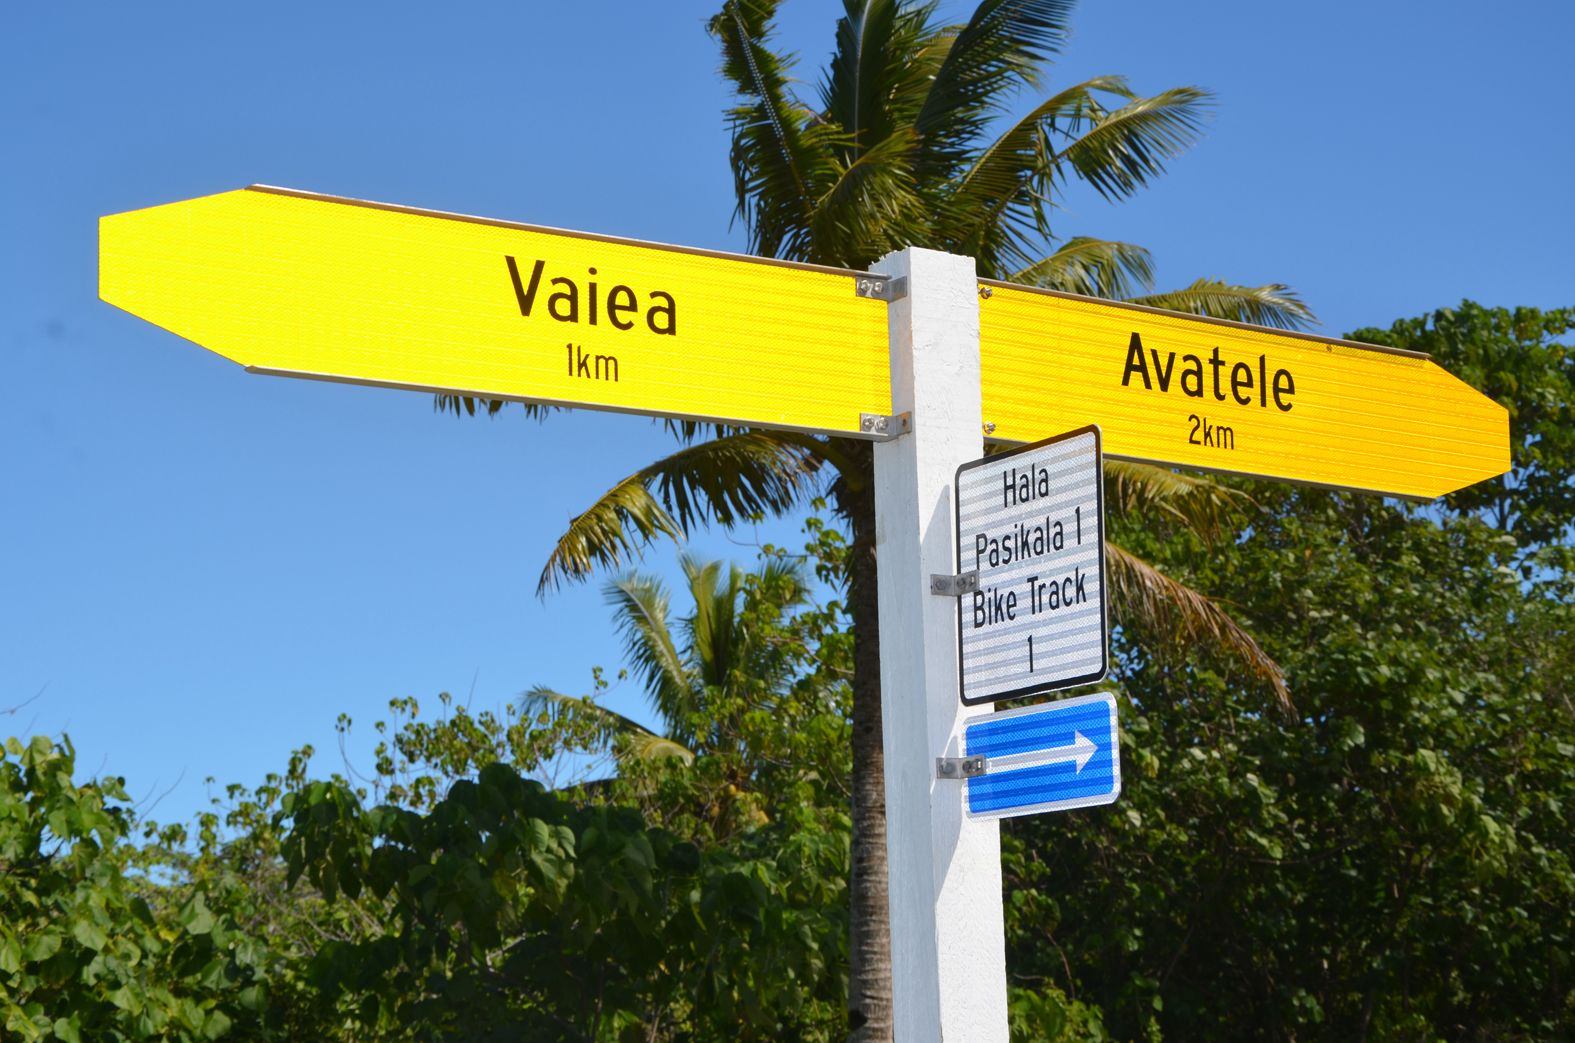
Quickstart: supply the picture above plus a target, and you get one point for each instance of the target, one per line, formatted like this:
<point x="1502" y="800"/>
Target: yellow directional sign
<point x="1178" y="389"/>
<point x="308" y="285"/>
<point x="317" y="286"/>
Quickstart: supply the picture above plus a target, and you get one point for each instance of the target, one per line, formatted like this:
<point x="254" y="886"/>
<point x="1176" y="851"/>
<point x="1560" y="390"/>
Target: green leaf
<point x="126" y="999"/>
<point x="196" y="917"/>
<point x="89" y="935"/>
<point x="216" y="1024"/>
<point x="41" y="946"/>
<point x="10" y="955"/>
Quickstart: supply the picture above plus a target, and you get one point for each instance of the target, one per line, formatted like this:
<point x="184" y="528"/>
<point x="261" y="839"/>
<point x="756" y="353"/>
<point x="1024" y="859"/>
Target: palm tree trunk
<point x="869" y="970"/>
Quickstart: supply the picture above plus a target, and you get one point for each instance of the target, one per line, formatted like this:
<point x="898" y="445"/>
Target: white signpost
<point x="948" y="937"/>
<point x="1030" y="533"/>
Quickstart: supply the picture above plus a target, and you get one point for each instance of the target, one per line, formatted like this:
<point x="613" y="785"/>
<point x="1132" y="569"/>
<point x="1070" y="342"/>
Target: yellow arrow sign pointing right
<point x="1182" y="390"/>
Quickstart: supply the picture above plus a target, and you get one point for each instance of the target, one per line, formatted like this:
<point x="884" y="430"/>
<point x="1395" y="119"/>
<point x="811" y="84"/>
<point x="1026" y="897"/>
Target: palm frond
<point x="874" y="85"/>
<point x="781" y="156"/>
<point x="725" y="480"/>
<point x="1206" y="507"/>
<point x="858" y="80"/>
<point x="1000" y="165"/>
<point x="745" y="26"/>
<point x="1275" y="305"/>
<point x="622" y="522"/>
<point x="1178" y="614"/>
<point x="607" y="726"/>
<point x="872" y="208"/>
<point x="1000" y="206"/>
<point x="648" y="747"/>
<point x="733" y="479"/>
<point x="1092" y="268"/>
<point x="466" y="405"/>
<point x="775" y="207"/>
<point x="640" y="611"/>
<point x="712" y="634"/>
<point x="788" y="576"/>
<point x="1121" y="150"/>
<point x="999" y="50"/>
<point x="690" y="431"/>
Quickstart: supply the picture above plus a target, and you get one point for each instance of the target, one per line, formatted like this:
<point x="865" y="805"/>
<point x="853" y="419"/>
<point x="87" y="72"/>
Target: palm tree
<point x="904" y="147"/>
<point x="699" y="674"/>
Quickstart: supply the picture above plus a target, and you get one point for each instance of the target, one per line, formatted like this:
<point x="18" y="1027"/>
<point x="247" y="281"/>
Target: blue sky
<point x="201" y="568"/>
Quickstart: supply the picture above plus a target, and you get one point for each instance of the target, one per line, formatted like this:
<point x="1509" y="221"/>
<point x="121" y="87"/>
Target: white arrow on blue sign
<point x="1050" y="757"/>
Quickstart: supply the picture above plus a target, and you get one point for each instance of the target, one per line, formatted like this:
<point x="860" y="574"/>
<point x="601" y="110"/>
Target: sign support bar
<point x="945" y="867"/>
<point x="955" y="586"/>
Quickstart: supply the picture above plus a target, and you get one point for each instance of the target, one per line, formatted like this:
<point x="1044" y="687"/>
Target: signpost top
<point x="308" y="285"/>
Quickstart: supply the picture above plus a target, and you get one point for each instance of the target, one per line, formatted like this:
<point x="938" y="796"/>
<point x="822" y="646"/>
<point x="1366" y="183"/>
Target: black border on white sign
<point x="1104" y="596"/>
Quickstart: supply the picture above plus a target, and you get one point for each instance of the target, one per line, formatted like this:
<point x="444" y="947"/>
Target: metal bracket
<point x="882" y="426"/>
<point x="960" y="767"/>
<point x="954" y="586"/>
<point x="880" y="287"/>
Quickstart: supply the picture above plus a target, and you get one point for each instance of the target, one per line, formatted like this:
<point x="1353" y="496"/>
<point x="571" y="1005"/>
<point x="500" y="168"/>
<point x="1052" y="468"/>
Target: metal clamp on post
<point x="960" y="767"/>
<point x="886" y="427"/>
<point x="880" y="287"/>
<point x="954" y="586"/>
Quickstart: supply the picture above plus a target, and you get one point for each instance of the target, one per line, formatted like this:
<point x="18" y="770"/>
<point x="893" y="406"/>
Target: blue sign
<point x="1050" y="757"/>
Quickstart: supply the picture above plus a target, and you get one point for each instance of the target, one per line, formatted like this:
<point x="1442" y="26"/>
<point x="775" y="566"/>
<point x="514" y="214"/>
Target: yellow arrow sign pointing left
<point x="316" y="286"/>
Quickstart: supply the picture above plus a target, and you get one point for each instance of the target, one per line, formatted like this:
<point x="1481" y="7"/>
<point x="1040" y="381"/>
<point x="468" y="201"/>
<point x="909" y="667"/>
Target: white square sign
<point x="1031" y="522"/>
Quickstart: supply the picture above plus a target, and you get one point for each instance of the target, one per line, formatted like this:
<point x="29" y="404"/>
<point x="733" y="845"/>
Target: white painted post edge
<point x="948" y="937"/>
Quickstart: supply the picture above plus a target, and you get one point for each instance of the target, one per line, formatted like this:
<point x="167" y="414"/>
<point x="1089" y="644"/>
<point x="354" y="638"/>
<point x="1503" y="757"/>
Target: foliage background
<point x="196" y="578"/>
<point x="1393" y="862"/>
